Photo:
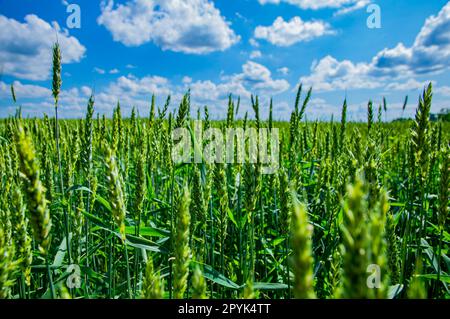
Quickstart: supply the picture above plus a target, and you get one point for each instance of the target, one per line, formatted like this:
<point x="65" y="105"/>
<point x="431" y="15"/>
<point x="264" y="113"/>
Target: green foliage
<point x="375" y="193"/>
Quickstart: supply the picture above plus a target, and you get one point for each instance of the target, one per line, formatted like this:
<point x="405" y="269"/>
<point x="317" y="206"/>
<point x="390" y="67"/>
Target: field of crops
<point x="97" y="208"/>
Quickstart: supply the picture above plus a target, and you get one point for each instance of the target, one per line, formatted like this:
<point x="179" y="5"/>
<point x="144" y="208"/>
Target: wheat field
<point x="98" y="208"/>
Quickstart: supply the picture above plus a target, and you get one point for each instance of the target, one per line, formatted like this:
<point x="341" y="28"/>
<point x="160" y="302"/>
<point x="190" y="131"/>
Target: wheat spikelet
<point x="141" y="188"/>
<point x="343" y="123"/>
<point x="20" y="234"/>
<point x="369" y="116"/>
<point x="182" y="250"/>
<point x="13" y="93"/>
<point x="56" y="83"/>
<point x="86" y="148"/>
<point x="63" y="293"/>
<point x="444" y="185"/>
<point x="420" y="133"/>
<point x="115" y="187"/>
<point x="34" y="190"/>
<point x="6" y="266"/>
<point x="355" y="244"/>
<point x="220" y="182"/>
<point x="198" y="285"/>
<point x="249" y="292"/>
<point x="392" y="250"/>
<point x="377" y="220"/>
<point x="302" y="263"/>
<point x="416" y="288"/>
<point x="77" y="228"/>
<point x="153" y="286"/>
<point x="285" y="203"/>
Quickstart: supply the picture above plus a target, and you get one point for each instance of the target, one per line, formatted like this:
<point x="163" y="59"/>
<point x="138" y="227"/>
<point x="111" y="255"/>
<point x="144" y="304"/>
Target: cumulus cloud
<point x="188" y="26"/>
<point x="23" y="91"/>
<point x="130" y="91"/>
<point x="358" y="5"/>
<point x="25" y="50"/>
<point x="313" y="4"/>
<point x="37" y="100"/>
<point x="443" y="90"/>
<point x="103" y="71"/>
<point x="259" y="79"/>
<point x="99" y="71"/>
<point x="207" y="92"/>
<point x="286" y="33"/>
<point x="86" y="91"/>
<point x="186" y="79"/>
<point x="330" y="74"/>
<point x="283" y="70"/>
<point x="321" y="109"/>
<point x="429" y="54"/>
<point x="214" y="94"/>
<point x="131" y="85"/>
<point x="253" y="43"/>
<point x="409" y="85"/>
<point x="254" y="78"/>
<point x="133" y="91"/>
<point x="255" y="54"/>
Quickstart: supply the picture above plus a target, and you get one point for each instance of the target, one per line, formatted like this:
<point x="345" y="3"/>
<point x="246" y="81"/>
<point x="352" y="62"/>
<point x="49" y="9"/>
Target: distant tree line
<point x="443" y="115"/>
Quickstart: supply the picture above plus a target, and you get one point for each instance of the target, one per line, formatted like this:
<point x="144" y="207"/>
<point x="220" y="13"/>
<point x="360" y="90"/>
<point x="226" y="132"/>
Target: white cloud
<point x="103" y="71"/>
<point x="135" y="91"/>
<point x="187" y="80"/>
<point x="99" y="71"/>
<point x="87" y="91"/>
<point x="37" y="100"/>
<point x="283" y="70"/>
<point x="409" y="85"/>
<point x="330" y="74"/>
<point x="241" y="17"/>
<point x="313" y="4"/>
<point x="25" y="50"/>
<point x="321" y="109"/>
<point x="253" y="43"/>
<point x="259" y="78"/>
<point x="131" y="85"/>
<point x="358" y="5"/>
<point x="429" y="54"/>
<point x="188" y="26"/>
<point x="254" y="78"/>
<point x="131" y="92"/>
<point x="24" y="91"/>
<point x="286" y="33"/>
<point x="255" y="54"/>
<point x="443" y="90"/>
<point x="206" y="91"/>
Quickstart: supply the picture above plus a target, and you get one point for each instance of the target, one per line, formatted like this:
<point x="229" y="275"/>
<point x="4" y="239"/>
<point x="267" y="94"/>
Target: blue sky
<point x="128" y="50"/>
